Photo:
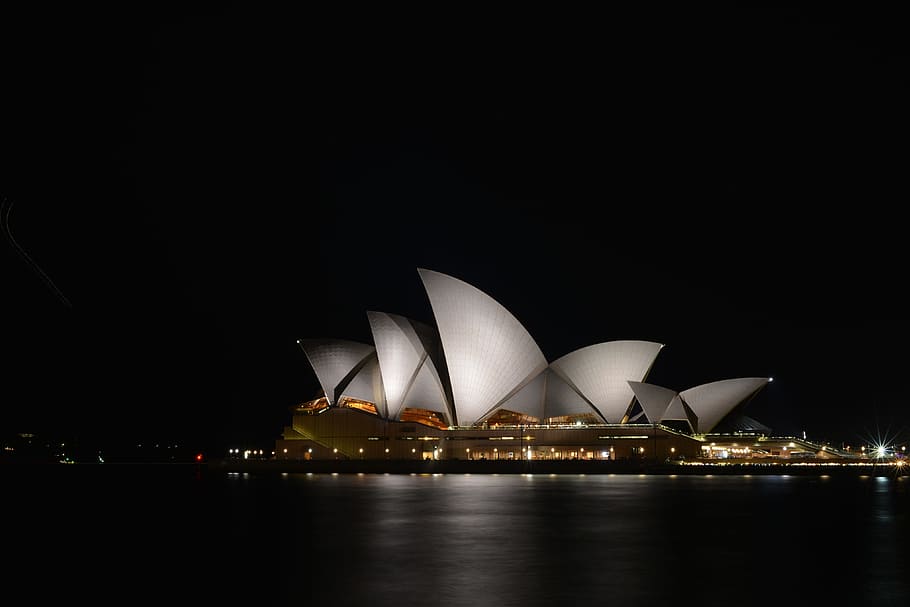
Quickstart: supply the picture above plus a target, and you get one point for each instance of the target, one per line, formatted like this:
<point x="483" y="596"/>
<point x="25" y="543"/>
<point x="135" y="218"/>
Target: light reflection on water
<point x="628" y="540"/>
<point x="461" y="540"/>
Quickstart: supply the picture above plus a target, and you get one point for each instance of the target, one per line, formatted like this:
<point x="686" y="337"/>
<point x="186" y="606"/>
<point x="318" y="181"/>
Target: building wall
<point x="340" y="433"/>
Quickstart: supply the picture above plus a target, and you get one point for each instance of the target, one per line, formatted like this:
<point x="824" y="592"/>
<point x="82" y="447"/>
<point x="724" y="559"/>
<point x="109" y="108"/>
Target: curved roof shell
<point x="663" y="404"/>
<point x="680" y="411"/>
<point x="654" y="400"/>
<point x="489" y="354"/>
<point x="409" y="377"/>
<point x="479" y="359"/>
<point x="530" y="398"/>
<point x="601" y="372"/>
<point x="563" y="399"/>
<point x="366" y="385"/>
<point x="713" y="401"/>
<point x="336" y="362"/>
<point x="427" y="392"/>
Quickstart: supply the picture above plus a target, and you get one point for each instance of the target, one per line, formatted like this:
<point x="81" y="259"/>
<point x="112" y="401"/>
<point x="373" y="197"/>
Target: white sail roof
<point x="426" y="392"/>
<point x="488" y="352"/>
<point x="563" y="399"/>
<point x="401" y="355"/>
<point x="601" y="373"/>
<point x="654" y="400"/>
<point x="713" y="401"/>
<point x="367" y="385"/>
<point x="479" y="358"/>
<point x="335" y="362"/>
<point x="530" y="398"/>
<point x="679" y="411"/>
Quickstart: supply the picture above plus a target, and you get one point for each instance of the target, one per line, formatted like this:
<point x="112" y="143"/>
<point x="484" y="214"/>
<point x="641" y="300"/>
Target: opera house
<point x="475" y="385"/>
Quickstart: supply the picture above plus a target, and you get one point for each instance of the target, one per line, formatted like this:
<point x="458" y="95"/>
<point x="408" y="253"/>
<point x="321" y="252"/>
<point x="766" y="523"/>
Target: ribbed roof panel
<point x="712" y="402"/>
<point x="653" y="399"/>
<point x="529" y="399"/>
<point x="334" y="361"/>
<point x="487" y="351"/>
<point x="426" y="392"/>
<point x="601" y="373"/>
<point x="367" y="385"/>
<point x="400" y="355"/>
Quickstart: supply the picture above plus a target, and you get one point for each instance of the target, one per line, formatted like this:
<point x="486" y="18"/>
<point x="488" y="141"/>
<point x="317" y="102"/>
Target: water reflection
<point x="456" y="540"/>
<point x="536" y="540"/>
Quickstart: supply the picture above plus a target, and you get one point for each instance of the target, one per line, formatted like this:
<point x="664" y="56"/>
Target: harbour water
<point x="186" y="534"/>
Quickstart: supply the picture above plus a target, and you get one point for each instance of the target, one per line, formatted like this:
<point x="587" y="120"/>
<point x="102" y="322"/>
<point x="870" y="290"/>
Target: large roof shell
<point x="489" y="354"/>
<point x="335" y="362"/>
<point x="713" y="401"/>
<point x="601" y="373"/>
<point x="663" y="404"/>
<point x="479" y="359"/>
<point x="680" y="411"/>
<point x="530" y="398"/>
<point x="408" y="372"/>
<point x="563" y="399"/>
<point x="427" y="392"/>
<point x="366" y="385"/>
<point x="654" y="400"/>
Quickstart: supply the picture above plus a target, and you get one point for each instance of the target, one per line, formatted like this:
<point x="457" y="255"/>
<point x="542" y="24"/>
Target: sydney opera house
<point x="475" y="385"/>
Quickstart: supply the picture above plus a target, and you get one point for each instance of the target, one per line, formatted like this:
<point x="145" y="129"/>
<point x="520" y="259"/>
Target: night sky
<point x="202" y="188"/>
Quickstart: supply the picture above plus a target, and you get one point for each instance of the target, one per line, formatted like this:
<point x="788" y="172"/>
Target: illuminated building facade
<point x="477" y="386"/>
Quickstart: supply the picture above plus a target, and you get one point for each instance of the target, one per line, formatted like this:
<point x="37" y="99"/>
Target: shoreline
<point x="551" y="467"/>
<point x="486" y="467"/>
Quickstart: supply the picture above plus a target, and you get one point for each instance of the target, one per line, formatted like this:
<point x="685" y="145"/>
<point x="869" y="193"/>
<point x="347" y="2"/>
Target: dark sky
<point x="205" y="187"/>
